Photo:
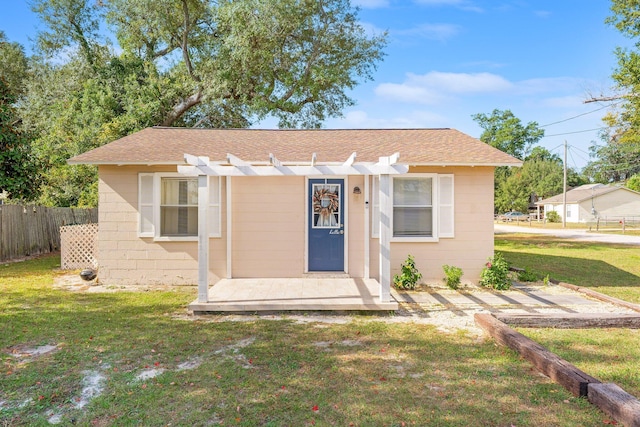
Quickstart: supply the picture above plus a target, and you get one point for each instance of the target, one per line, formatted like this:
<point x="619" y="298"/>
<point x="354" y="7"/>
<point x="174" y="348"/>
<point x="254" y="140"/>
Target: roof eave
<point x="174" y="163"/>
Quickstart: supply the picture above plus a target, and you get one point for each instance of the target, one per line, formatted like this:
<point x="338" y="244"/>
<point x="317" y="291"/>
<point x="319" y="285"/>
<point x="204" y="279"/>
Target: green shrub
<point x="495" y="274"/>
<point x="409" y="277"/>
<point x="527" y="275"/>
<point x="453" y="275"/>
<point x="552" y="216"/>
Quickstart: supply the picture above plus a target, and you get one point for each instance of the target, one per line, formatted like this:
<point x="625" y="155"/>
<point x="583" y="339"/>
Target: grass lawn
<point x="610" y="355"/>
<point x="606" y="268"/>
<point x="133" y="358"/>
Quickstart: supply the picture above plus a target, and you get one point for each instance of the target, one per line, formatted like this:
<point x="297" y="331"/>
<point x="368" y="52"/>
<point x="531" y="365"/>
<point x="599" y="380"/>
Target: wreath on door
<point x="331" y="205"/>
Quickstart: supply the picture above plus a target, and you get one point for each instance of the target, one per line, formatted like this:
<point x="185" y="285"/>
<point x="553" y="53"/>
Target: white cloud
<point x="371" y="4"/>
<point x="359" y="119"/>
<point x="436" y="86"/>
<point x="548" y="84"/>
<point x="460" y="4"/>
<point x="371" y="30"/>
<point x="569" y="101"/>
<point x="542" y="13"/>
<point x="432" y="31"/>
<point x="408" y="92"/>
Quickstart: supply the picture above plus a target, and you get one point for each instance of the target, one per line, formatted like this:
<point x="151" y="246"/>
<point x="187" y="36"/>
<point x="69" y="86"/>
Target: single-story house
<point x="206" y="206"/>
<point x="592" y="201"/>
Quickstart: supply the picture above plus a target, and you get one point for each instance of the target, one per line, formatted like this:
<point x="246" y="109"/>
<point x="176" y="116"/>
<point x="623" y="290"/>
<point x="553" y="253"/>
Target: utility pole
<point x="564" y="188"/>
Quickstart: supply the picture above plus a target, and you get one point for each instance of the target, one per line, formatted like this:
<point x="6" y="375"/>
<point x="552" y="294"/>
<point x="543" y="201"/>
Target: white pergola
<point x="202" y="167"/>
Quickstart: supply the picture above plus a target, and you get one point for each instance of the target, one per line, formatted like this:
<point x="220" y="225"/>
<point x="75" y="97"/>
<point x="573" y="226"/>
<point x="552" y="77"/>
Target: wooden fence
<point x="33" y="230"/>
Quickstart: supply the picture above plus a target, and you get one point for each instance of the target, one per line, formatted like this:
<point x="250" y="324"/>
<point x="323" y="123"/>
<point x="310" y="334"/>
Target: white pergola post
<point x="203" y="238"/>
<point x="385" y="237"/>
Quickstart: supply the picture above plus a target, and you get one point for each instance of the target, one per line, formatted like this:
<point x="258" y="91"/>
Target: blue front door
<point x="326" y="225"/>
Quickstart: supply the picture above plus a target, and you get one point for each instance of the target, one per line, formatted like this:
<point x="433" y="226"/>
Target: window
<point x="178" y="207"/>
<point x="423" y="207"/>
<point x="168" y="206"/>
<point x="413" y="207"/>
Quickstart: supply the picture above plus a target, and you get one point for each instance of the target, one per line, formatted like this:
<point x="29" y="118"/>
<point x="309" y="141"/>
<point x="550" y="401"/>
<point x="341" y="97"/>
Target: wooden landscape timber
<point x="571" y="320"/>
<point x="608" y="397"/>
<point x="559" y="370"/>
<point x="616" y="403"/>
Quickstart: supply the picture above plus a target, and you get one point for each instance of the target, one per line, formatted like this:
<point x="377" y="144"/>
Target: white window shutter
<point x="146" y="208"/>
<point x="446" y="212"/>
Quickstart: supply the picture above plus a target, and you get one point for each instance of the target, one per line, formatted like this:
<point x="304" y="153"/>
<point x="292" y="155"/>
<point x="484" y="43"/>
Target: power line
<point x="578" y="131"/>
<point x="579" y="115"/>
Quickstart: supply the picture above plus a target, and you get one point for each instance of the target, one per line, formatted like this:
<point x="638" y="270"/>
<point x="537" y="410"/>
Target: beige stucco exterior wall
<point x="126" y="259"/>
<point x="473" y="242"/>
<point x="268" y="226"/>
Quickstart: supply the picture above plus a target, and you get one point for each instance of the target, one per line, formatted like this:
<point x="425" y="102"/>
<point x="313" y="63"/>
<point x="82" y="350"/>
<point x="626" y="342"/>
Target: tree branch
<point x="185" y="38"/>
<point x="179" y="109"/>
<point x="609" y="98"/>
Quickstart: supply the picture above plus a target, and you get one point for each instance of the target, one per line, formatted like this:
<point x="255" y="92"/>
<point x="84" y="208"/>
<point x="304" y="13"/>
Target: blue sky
<point x="449" y="59"/>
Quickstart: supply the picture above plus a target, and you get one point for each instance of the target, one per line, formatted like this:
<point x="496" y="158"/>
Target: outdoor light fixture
<point x="356" y="190"/>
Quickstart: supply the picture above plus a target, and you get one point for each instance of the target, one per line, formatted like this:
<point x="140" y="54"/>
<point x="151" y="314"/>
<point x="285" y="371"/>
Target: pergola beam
<point x="237" y="167"/>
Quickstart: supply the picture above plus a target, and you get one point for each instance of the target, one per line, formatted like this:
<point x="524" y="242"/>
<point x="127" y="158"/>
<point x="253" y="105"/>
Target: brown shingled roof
<point x="160" y="145"/>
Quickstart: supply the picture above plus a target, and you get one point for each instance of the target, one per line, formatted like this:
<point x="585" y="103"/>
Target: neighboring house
<point x="287" y="203"/>
<point x="592" y="201"/>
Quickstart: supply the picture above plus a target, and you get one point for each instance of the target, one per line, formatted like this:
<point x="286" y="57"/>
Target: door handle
<point x="341" y="231"/>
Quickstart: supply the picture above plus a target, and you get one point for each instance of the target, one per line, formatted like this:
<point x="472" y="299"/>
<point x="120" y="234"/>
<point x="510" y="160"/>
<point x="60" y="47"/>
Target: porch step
<point x="311" y="293"/>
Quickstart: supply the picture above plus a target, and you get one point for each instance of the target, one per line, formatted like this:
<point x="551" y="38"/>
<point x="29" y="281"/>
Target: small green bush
<point x="553" y="216"/>
<point x="495" y="274"/>
<point x="410" y="275"/>
<point x="527" y="275"/>
<point x="453" y="275"/>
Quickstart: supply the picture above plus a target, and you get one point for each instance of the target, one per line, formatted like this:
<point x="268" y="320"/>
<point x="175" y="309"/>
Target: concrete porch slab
<point x="294" y="294"/>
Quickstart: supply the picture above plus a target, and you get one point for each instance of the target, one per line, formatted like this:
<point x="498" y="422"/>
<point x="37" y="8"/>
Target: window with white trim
<point x="423" y="207"/>
<point x="413" y="213"/>
<point x="168" y="206"/>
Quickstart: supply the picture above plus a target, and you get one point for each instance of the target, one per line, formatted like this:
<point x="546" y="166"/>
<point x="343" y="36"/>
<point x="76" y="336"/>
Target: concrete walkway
<point x="568" y="233"/>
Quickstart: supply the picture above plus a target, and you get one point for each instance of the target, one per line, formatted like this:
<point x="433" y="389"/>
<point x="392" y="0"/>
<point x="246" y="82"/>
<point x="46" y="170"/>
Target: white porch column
<point x="367" y="227"/>
<point x="203" y="238"/>
<point x="385" y="237"/>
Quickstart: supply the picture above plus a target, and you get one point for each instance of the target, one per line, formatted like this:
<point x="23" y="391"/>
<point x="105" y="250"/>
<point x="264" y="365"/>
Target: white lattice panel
<point x="79" y="246"/>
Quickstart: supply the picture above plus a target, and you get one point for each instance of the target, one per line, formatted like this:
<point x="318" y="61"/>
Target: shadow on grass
<point x="577" y="271"/>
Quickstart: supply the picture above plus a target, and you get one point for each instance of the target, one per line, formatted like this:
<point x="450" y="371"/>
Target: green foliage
<point x="495" y="273"/>
<point x="634" y="183"/>
<point x="527" y="275"/>
<point x="19" y="175"/>
<point x="505" y="132"/>
<point x="552" y="216"/>
<point x="409" y="277"/>
<point x="13" y="65"/>
<point x="190" y="63"/>
<point x="453" y="275"/>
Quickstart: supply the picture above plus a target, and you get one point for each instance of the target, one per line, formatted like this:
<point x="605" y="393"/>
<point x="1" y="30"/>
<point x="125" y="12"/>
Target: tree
<point x="618" y="157"/>
<point x="18" y="171"/>
<point x="247" y="58"/>
<point x="634" y="183"/>
<point x="13" y="65"/>
<point x="505" y="132"/>
<point x="184" y="63"/>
